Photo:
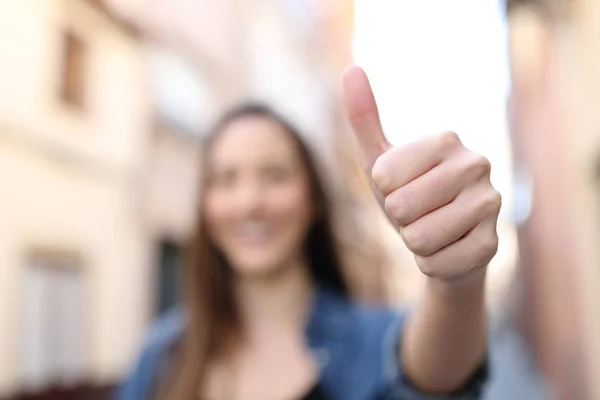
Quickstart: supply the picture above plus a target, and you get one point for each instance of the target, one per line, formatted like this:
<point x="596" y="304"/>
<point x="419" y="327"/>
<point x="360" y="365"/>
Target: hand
<point x="437" y="192"/>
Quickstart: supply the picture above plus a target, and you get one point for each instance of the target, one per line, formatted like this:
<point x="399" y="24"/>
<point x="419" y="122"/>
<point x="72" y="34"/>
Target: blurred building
<point x="74" y="118"/>
<point x="556" y="90"/>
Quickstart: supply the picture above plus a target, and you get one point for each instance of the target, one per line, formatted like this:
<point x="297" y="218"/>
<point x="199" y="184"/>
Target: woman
<point x="268" y="312"/>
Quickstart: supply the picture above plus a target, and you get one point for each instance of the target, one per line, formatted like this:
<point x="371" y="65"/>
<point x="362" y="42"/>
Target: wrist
<point x="467" y="283"/>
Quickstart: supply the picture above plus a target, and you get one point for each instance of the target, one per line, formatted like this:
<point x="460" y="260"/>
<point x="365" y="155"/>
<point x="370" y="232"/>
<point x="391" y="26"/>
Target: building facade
<point x="556" y="88"/>
<point x="73" y="122"/>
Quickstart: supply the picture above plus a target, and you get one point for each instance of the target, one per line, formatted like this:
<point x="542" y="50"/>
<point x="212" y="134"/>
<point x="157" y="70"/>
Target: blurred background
<point x="104" y="103"/>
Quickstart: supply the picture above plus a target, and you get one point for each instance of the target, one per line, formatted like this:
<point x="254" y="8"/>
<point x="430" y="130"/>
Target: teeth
<point x="253" y="231"/>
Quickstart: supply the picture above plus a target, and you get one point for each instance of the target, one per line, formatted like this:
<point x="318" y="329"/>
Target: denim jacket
<point x="356" y="345"/>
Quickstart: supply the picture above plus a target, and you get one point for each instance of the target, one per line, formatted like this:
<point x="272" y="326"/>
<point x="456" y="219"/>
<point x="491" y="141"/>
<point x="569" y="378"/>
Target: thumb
<point x="363" y="115"/>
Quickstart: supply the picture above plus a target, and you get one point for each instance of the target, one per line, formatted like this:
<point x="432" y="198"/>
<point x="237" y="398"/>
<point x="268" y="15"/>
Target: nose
<point x="250" y="198"/>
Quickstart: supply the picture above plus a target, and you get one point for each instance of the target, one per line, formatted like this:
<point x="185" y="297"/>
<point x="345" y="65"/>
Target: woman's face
<point x="258" y="205"/>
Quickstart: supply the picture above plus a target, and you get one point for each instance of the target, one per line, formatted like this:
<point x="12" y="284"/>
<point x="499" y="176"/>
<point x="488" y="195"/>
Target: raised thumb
<point x="363" y="115"/>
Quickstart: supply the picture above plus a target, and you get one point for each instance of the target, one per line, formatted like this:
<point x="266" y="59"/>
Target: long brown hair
<point x="212" y="315"/>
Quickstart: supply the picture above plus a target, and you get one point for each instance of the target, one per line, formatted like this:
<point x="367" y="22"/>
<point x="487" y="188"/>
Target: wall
<point x="69" y="176"/>
<point x="580" y="49"/>
<point x="556" y="87"/>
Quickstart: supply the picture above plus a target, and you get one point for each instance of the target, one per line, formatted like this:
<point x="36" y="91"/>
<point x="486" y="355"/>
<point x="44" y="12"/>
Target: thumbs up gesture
<point x="436" y="191"/>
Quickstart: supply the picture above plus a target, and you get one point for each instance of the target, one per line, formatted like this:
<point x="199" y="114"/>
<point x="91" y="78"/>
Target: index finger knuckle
<point x="449" y="141"/>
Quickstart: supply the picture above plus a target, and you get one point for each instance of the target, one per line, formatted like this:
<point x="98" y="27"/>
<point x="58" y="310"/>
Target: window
<point x="53" y="325"/>
<point x="169" y="260"/>
<point x="72" y="89"/>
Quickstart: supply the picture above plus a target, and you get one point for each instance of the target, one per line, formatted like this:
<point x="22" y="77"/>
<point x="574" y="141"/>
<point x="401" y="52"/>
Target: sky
<point x="438" y="65"/>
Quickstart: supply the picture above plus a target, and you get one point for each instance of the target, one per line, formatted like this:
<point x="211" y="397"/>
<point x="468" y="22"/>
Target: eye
<point x="222" y="178"/>
<point x="275" y="174"/>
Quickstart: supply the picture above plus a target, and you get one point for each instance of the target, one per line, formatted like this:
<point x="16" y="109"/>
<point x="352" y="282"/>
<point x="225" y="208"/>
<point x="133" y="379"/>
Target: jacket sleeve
<point x="395" y="384"/>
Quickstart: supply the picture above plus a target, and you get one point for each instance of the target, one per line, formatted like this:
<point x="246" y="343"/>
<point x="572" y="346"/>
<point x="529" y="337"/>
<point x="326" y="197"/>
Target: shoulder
<point x="376" y="320"/>
<point x="378" y="330"/>
<point x="166" y="330"/>
<point x="361" y="342"/>
<point x="365" y="360"/>
<point x="365" y="320"/>
<point x="164" y="333"/>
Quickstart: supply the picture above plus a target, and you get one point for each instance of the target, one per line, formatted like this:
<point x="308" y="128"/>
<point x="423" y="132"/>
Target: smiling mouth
<point x="253" y="233"/>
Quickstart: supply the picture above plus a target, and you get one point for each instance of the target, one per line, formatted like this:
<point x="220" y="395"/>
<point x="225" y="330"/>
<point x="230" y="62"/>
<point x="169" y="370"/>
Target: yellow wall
<point x="69" y="178"/>
<point x="568" y="50"/>
<point x="580" y="56"/>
